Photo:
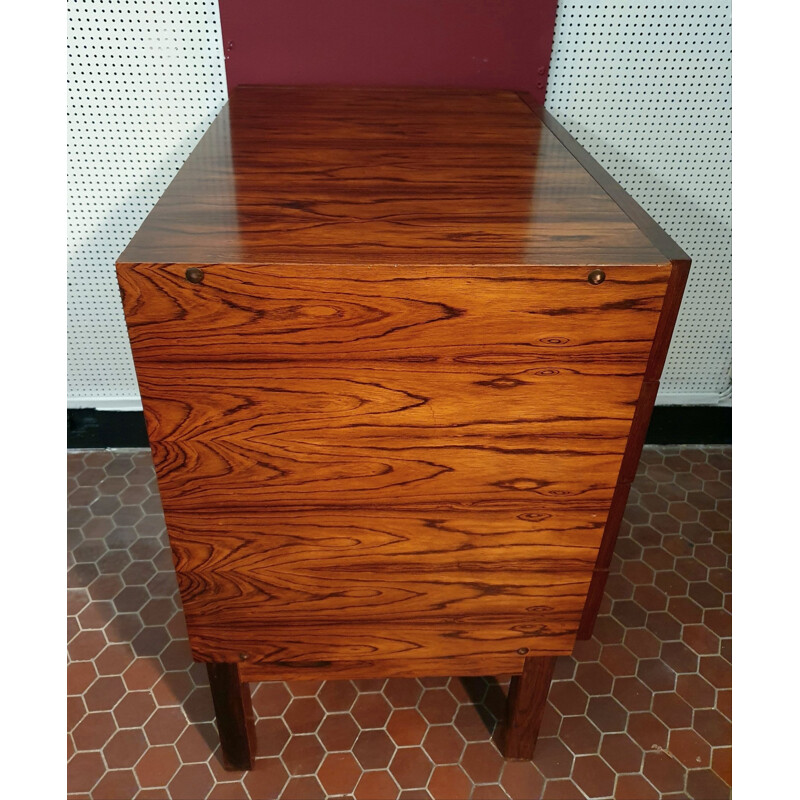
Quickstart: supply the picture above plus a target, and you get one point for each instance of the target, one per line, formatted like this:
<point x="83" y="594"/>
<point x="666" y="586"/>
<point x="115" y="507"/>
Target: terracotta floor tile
<point x="672" y="710"/>
<point x="579" y="735"/>
<point x="632" y="694"/>
<point x="657" y="675"/>
<point x="339" y="773"/>
<point x="552" y="758"/>
<point x="642" y="643"/>
<point x="229" y="791"/>
<point x="474" y="725"/>
<point x="271" y="736"/>
<point x="267" y="779"/>
<point x="196" y="743"/>
<point x="482" y="762"/>
<point x="407" y="727"/>
<point x="302" y="754"/>
<point x="270" y="699"/>
<point x="379" y="785"/>
<point x="689" y="748"/>
<point x="340" y="695"/>
<point x="705" y="784"/>
<point x="157" y="766"/>
<point x="647" y="730"/>
<point x="304" y="715"/>
<point x="125" y="748"/>
<point x="695" y="690"/>
<point x="374" y="749"/>
<point x="371" y="710"/>
<point x="449" y="783"/>
<point x="635" y="787"/>
<point x="521" y="780"/>
<point x="488" y="791"/>
<point x="594" y="678"/>
<point x="621" y="753"/>
<point x="402" y="692"/>
<point x="411" y="767"/>
<point x="438" y="706"/>
<point x="563" y="789"/>
<point x="94" y="730"/>
<point x="118" y="784"/>
<point x="104" y="693"/>
<point x="568" y="697"/>
<point x="713" y="726"/>
<point x="607" y="714"/>
<point x="444" y="744"/>
<point x="667" y="774"/>
<point x="721" y="763"/>
<point x="593" y="776"/>
<point x="190" y="782"/>
<point x="84" y="770"/>
<point x="303" y="788"/>
<point x="716" y="670"/>
<point x="338" y="732"/>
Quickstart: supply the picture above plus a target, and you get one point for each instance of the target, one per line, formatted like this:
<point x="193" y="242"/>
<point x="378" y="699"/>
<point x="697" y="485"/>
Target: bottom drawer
<point x="394" y="592"/>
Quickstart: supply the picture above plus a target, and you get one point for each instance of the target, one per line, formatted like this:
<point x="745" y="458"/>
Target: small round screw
<point x="243" y="656"/>
<point x="195" y="275"/>
<point x="596" y="277"/>
<point x="522" y="650"/>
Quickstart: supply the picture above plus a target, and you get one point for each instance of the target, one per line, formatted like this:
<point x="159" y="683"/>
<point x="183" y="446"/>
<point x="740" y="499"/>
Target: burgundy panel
<point x="502" y="44"/>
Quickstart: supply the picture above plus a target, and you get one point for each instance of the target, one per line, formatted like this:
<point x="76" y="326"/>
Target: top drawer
<point x="245" y="313"/>
<point x="299" y="387"/>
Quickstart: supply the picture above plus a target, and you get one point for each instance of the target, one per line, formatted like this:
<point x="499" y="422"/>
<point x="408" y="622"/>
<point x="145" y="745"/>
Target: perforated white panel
<point x="146" y="77"/>
<point x="646" y="89"/>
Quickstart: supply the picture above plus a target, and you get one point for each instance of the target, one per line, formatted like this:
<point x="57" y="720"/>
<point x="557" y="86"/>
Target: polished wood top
<point x="340" y="176"/>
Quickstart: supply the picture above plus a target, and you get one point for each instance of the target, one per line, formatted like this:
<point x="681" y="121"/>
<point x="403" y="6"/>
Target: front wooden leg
<point x="234" y="712"/>
<point x="527" y="697"/>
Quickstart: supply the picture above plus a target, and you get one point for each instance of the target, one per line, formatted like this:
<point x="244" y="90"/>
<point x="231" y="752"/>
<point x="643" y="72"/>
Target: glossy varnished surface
<point x="406" y="177"/>
<point x="388" y="424"/>
<point x="374" y="473"/>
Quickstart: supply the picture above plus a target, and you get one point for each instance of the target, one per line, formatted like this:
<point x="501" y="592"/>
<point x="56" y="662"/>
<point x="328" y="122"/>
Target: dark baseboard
<point x="88" y="428"/>
<point x="690" y="425"/>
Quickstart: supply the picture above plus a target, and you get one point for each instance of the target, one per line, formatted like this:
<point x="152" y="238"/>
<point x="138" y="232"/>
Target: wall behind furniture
<point x="645" y="88"/>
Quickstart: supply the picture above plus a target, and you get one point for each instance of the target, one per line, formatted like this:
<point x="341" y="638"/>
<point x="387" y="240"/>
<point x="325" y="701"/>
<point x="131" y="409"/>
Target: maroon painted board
<point x="501" y="44"/>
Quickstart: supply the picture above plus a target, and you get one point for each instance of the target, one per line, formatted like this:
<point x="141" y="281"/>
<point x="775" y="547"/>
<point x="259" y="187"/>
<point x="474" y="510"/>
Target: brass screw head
<point x="596" y="277"/>
<point x="195" y="275"/>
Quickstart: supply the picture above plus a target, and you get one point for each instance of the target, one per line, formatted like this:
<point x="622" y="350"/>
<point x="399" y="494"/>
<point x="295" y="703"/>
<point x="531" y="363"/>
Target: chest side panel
<point x="380" y="468"/>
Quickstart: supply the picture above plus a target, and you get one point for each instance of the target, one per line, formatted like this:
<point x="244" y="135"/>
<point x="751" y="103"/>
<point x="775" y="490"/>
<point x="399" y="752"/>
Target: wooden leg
<point x="234" y="716"/>
<point x="527" y="697"/>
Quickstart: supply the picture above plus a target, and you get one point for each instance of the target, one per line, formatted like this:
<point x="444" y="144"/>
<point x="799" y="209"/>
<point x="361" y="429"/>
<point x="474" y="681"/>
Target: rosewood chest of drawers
<point x="397" y="352"/>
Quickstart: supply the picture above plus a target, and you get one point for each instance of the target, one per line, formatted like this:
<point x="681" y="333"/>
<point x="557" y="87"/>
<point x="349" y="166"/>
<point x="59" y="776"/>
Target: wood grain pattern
<point x="287" y="390"/>
<point x="388" y="424"/>
<point x="337" y="176"/>
<point x="322" y="586"/>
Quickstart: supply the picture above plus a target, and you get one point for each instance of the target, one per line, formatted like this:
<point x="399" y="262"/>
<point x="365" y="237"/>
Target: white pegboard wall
<point x="646" y="89"/>
<point x="146" y="78"/>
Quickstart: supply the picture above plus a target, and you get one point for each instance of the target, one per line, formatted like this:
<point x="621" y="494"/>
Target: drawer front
<point x="493" y="389"/>
<point x="353" y="587"/>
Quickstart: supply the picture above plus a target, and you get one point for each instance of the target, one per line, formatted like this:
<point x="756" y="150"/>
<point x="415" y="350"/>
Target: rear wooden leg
<point x="234" y="712"/>
<point x="527" y="697"/>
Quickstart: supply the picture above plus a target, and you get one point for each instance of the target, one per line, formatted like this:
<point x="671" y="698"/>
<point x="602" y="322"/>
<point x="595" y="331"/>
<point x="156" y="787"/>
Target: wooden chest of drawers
<point x="397" y="352"/>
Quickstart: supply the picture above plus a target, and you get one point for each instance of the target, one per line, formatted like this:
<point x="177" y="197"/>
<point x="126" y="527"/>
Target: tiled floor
<point x="641" y="711"/>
